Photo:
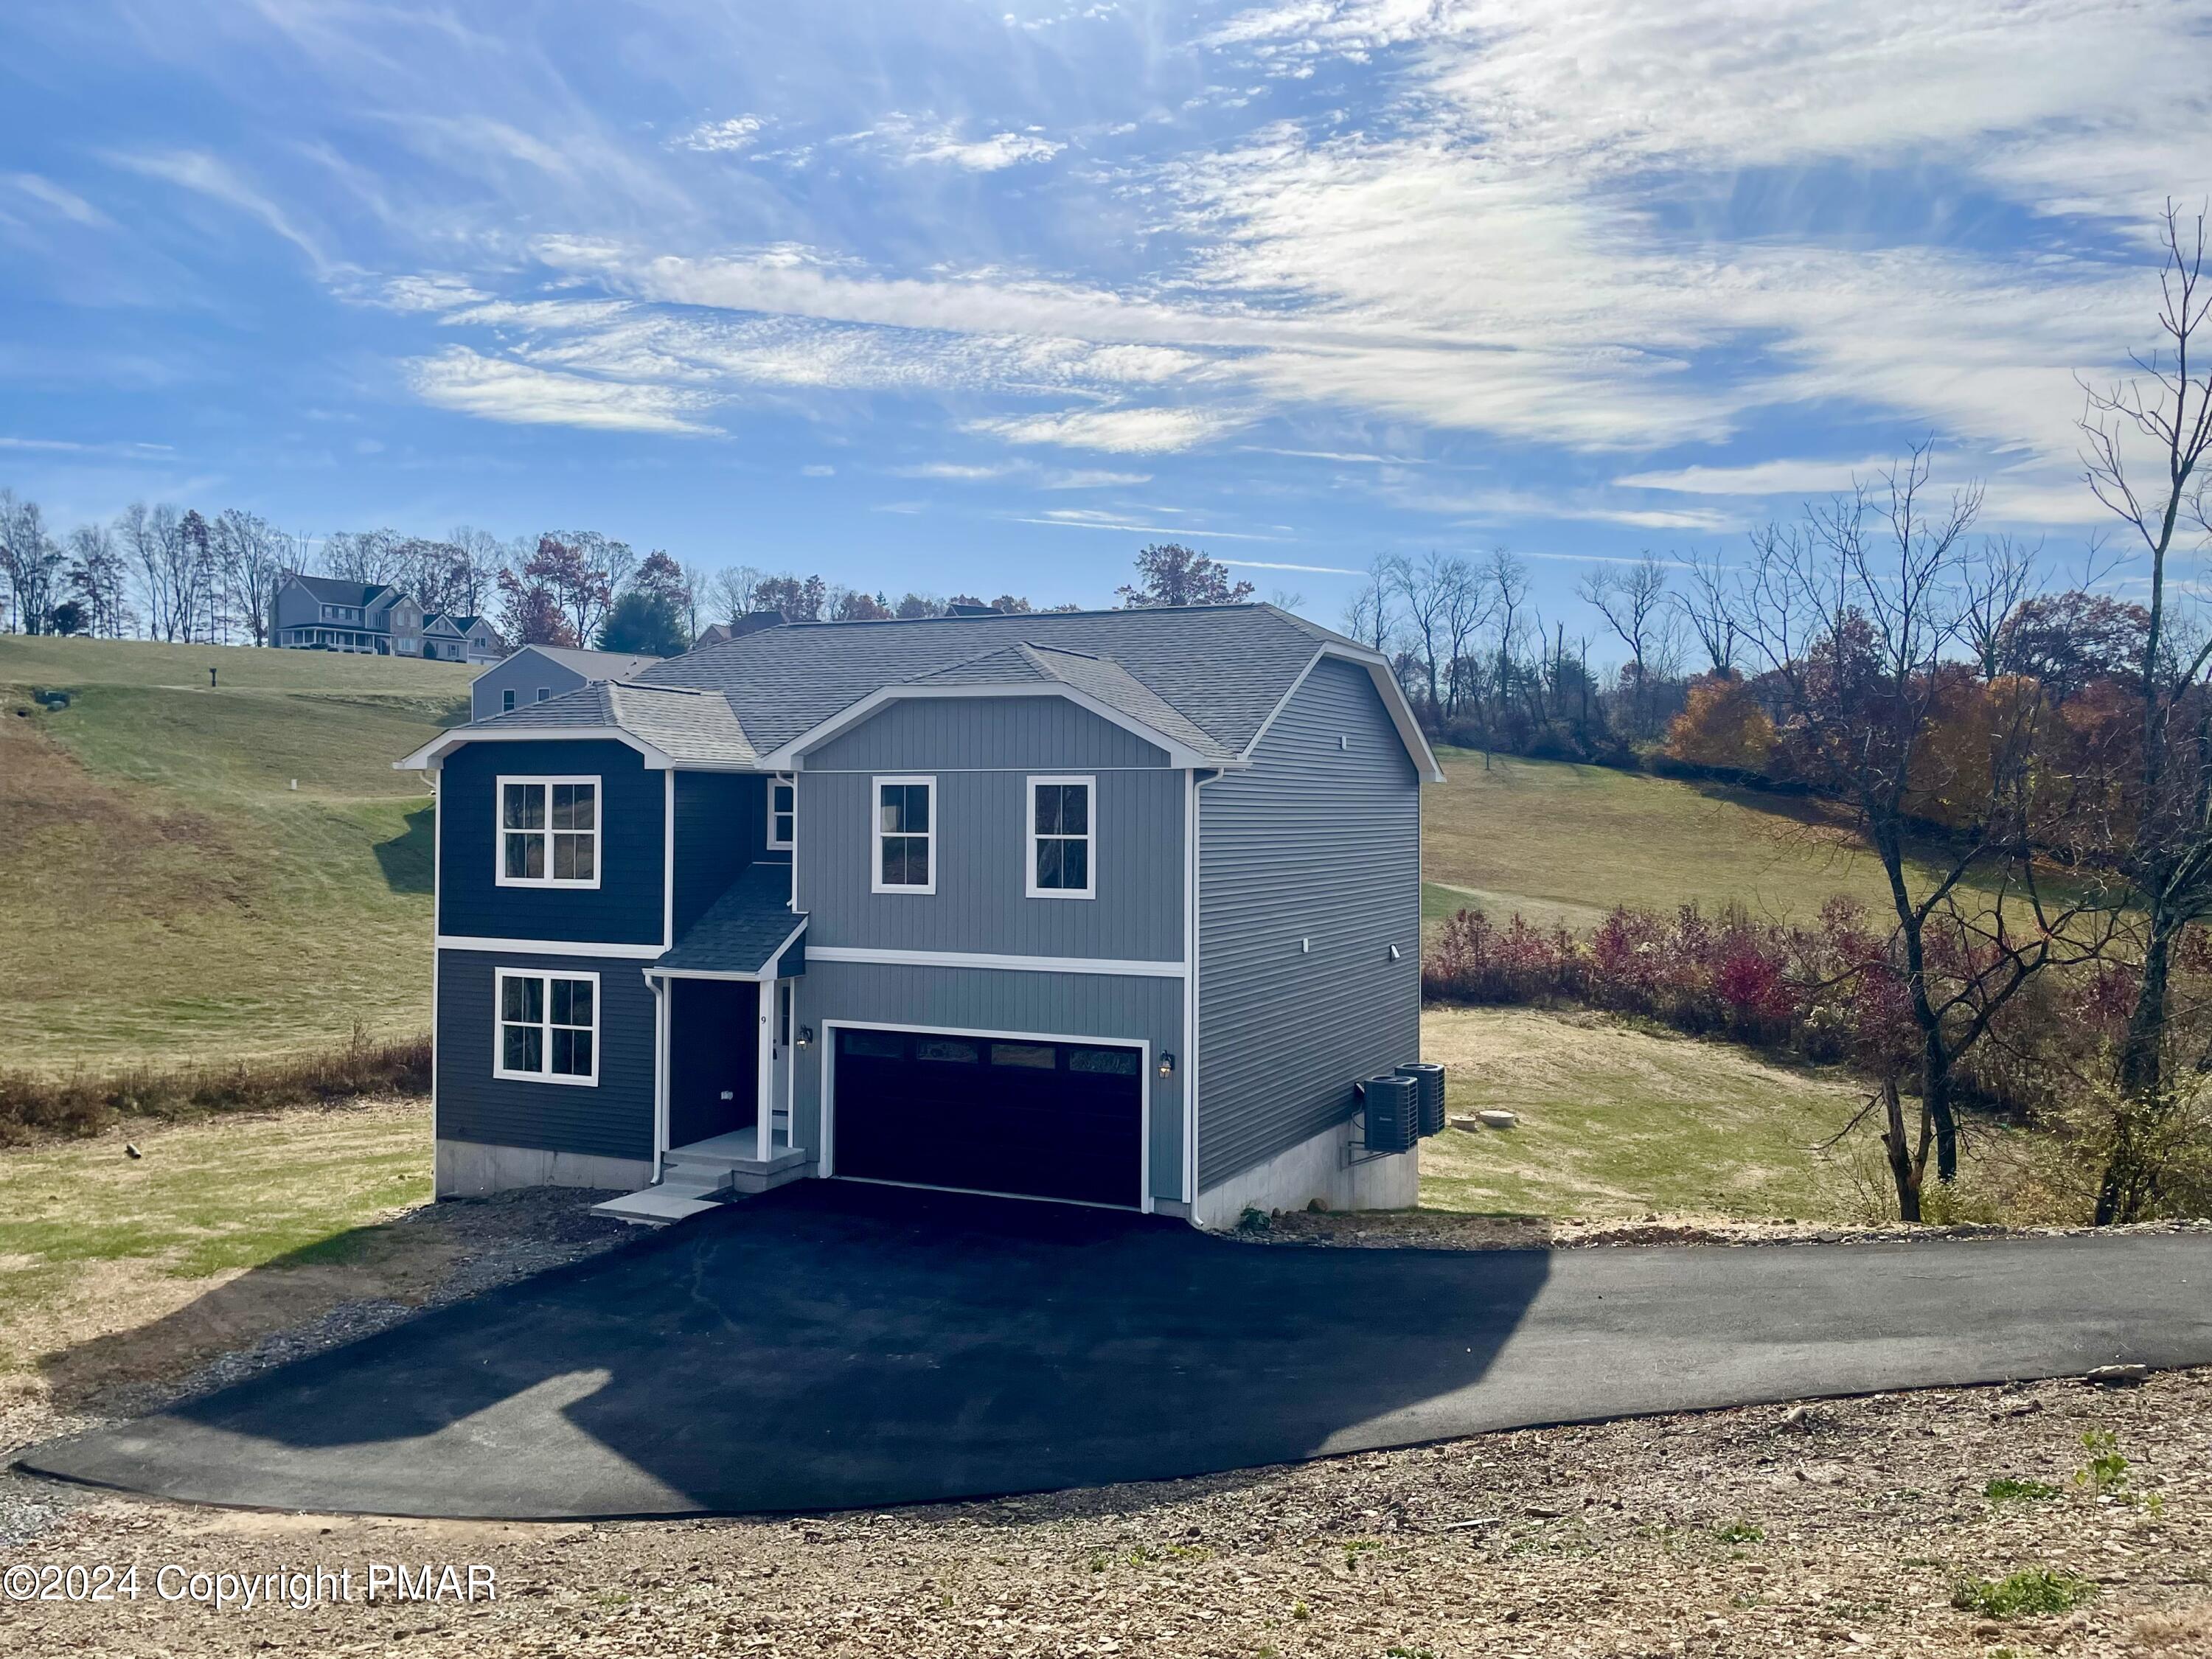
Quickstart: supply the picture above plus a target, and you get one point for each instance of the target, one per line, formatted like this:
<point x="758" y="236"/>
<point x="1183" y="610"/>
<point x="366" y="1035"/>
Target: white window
<point x="1060" y="864"/>
<point x="548" y="832"/>
<point x="783" y="809"/>
<point x="544" y="692"/>
<point x="549" y="1027"/>
<point x="506" y="700"/>
<point x="906" y="835"/>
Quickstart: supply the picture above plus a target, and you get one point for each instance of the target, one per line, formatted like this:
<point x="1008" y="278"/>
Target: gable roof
<point x="1203" y="681"/>
<point x="591" y="664"/>
<point x="329" y="590"/>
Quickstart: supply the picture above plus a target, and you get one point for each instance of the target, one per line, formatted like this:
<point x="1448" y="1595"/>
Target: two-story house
<point x="322" y="613"/>
<point x="1115" y="907"/>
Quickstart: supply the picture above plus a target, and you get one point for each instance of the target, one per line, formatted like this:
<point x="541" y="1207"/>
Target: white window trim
<point x="790" y="780"/>
<point x="499" y="977"/>
<point x="1090" y="838"/>
<point x="876" y="883"/>
<point x="506" y="701"/>
<point x="598" y="832"/>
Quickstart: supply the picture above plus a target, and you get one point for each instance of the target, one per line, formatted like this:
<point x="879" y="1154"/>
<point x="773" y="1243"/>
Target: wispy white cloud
<point x="1132" y="524"/>
<point x="498" y="390"/>
<point x="913" y="141"/>
<point x="1126" y="431"/>
<point x="725" y="137"/>
<point x="1307" y="570"/>
<point x="1777" y="477"/>
<point x="206" y="175"/>
<point x="67" y="203"/>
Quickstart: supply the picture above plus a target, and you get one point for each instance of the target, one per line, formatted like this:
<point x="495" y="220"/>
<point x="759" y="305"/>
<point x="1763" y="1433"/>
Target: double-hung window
<point x="783" y="809"/>
<point x="549" y="1027"/>
<point x="548" y="832"/>
<point x="1061" y="862"/>
<point x="905" y="835"/>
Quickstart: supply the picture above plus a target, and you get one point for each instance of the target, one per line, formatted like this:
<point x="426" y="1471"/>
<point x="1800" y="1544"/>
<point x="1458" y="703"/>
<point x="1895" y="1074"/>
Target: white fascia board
<point x="428" y="756"/>
<point x="787" y="758"/>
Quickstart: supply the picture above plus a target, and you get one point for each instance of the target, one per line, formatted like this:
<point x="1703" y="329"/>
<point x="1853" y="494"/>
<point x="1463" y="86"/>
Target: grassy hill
<point x="1563" y="843"/>
<point x="197" y="873"/>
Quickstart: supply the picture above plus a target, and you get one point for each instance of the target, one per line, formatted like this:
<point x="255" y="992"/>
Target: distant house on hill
<point x="722" y="633"/>
<point x="321" y="613"/>
<point x="538" y="673"/>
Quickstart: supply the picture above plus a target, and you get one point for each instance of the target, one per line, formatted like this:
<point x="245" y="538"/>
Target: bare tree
<point x="730" y="592"/>
<point x="1707" y="608"/>
<point x="1634" y="602"/>
<point x="99" y="580"/>
<point x="2004" y="575"/>
<point x="30" y="560"/>
<point x="2164" y="407"/>
<point x="1367" y="615"/>
<point x="1468" y="607"/>
<point x="252" y="555"/>
<point x="1427" y="587"/>
<point x="153" y="542"/>
<point x="1855" y="614"/>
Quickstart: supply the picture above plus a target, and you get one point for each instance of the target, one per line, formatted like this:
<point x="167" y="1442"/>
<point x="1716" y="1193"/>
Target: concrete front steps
<point x="694" y="1179"/>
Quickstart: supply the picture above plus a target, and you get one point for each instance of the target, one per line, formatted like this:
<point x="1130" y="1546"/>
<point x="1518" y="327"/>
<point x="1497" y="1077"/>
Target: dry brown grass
<point x="33" y="1105"/>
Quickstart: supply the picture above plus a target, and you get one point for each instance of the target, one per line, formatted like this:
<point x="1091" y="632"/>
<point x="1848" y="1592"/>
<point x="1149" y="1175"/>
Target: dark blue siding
<point x="721" y="822"/>
<point x="625" y="908"/>
<point x="614" y="1120"/>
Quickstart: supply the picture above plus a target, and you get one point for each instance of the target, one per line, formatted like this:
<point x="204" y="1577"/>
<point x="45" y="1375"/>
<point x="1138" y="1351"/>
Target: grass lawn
<point x="113" y="1267"/>
<point x="1619" y="1121"/>
<point x="200" y="874"/>
<point x="1566" y="843"/>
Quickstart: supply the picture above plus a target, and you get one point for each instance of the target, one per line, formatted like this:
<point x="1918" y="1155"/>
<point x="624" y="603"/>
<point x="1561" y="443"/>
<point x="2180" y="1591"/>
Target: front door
<point x="714" y="1057"/>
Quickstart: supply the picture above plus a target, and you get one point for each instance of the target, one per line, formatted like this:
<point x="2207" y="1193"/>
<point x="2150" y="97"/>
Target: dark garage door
<point x="993" y="1115"/>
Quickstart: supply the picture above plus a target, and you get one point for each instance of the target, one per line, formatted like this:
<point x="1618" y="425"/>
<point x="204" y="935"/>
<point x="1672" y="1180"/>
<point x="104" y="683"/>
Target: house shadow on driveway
<point x="836" y="1346"/>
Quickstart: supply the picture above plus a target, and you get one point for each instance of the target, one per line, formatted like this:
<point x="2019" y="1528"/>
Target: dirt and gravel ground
<point x="1842" y="1527"/>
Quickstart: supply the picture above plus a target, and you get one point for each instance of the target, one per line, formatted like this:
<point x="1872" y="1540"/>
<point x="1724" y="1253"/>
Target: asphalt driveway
<point x="832" y="1345"/>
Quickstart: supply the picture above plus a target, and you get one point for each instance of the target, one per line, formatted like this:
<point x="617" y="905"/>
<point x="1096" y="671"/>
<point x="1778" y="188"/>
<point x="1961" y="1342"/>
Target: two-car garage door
<point x="994" y="1115"/>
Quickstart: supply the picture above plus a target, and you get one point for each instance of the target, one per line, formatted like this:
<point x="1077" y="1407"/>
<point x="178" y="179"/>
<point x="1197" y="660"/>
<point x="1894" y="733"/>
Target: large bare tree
<point x="2145" y="442"/>
<point x="1633" y="601"/>
<point x="1856" y="615"/>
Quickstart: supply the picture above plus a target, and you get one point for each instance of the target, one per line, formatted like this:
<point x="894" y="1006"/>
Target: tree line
<point x="2029" y="765"/>
<point x="159" y="573"/>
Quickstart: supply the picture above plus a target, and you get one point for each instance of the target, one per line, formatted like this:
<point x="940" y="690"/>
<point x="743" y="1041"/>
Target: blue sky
<point x="980" y="297"/>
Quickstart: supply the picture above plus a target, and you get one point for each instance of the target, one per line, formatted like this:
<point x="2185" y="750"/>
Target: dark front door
<point x="992" y="1115"/>
<point x="713" y="1033"/>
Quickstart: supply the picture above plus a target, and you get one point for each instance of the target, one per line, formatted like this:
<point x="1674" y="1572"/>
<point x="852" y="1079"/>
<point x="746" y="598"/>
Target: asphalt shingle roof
<point x="329" y="590"/>
<point x="1205" y="677"/>
<point x="596" y="665"/>
<point x="685" y="724"/>
<point x="1221" y="668"/>
<point x="742" y="929"/>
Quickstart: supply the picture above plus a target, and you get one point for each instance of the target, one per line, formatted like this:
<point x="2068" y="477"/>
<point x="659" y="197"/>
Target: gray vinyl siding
<point x="1315" y="842"/>
<point x="296" y="607"/>
<point x="612" y="1120"/>
<point x="721" y="825"/>
<point x="522" y="674"/>
<point x="982" y="750"/>
<point x="1110" y="1007"/>
<point x="624" y="909"/>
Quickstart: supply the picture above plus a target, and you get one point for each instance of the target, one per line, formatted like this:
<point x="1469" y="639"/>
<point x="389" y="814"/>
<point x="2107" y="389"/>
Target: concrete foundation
<point x="1320" y="1168"/>
<point x="470" y="1169"/>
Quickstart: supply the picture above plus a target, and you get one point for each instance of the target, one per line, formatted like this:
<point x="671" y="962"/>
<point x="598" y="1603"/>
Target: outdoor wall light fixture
<point x="1167" y="1064"/>
<point x="806" y="1035"/>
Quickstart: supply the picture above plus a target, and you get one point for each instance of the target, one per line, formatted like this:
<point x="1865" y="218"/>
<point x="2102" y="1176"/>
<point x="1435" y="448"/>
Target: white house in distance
<point x="538" y="673"/>
<point x="322" y="613"/>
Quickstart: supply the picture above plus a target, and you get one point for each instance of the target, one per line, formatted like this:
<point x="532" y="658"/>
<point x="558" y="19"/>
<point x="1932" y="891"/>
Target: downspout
<point x="1191" y="964"/>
